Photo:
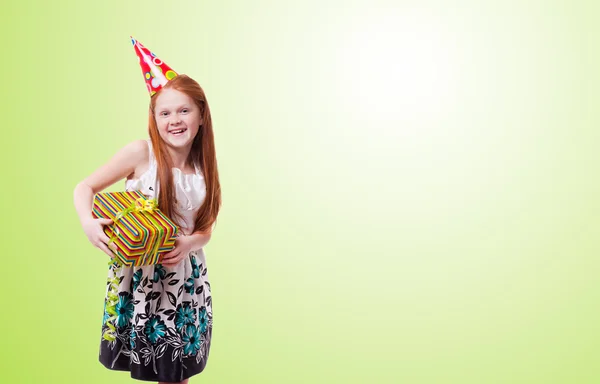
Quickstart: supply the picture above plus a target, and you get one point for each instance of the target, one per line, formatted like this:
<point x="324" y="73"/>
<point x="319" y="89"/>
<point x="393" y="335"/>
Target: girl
<point x="163" y="326"/>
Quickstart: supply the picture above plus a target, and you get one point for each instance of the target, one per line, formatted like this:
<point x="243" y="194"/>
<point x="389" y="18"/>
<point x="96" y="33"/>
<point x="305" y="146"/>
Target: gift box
<point x="141" y="232"/>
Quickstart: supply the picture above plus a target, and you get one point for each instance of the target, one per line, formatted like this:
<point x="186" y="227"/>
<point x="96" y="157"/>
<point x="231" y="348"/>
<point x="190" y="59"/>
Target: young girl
<point x="163" y="325"/>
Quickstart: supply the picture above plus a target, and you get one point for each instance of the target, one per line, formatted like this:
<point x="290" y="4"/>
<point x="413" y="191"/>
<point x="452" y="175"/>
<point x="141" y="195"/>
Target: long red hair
<point x="202" y="153"/>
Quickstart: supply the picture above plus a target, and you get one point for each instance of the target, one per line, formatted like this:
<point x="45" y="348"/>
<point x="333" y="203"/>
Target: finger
<point x="102" y="237"/>
<point x="174" y="253"/>
<point x="103" y="247"/>
<point x="172" y="262"/>
<point x="175" y="259"/>
<point x="106" y="221"/>
<point x="170" y="255"/>
<point x="113" y="247"/>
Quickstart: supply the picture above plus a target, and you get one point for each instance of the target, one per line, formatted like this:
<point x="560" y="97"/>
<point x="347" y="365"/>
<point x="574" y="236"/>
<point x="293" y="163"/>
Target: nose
<point x="175" y="120"/>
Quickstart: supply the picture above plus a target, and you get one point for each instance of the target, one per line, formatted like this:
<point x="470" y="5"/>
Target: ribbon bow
<point x="141" y="204"/>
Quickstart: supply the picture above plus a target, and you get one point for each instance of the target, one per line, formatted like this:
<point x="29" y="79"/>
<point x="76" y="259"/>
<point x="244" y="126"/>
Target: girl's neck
<point x="179" y="157"/>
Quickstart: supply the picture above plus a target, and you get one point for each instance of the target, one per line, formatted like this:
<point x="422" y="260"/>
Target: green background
<point x="410" y="188"/>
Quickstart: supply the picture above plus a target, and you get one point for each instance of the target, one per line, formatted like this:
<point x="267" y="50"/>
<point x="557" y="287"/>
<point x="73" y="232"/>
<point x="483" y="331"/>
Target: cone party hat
<point x="156" y="72"/>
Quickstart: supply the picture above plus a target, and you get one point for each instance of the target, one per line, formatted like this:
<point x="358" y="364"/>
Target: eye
<point x="163" y="113"/>
<point x="185" y="110"/>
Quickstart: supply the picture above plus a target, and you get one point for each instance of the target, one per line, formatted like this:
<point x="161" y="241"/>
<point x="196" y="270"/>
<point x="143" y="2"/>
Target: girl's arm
<point x="122" y="164"/>
<point x="183" y="245"/>
<point x="199" y="240"/>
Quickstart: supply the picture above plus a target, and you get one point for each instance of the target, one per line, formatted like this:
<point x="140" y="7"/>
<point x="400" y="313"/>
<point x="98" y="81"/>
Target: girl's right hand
<point x="95" y="233"/>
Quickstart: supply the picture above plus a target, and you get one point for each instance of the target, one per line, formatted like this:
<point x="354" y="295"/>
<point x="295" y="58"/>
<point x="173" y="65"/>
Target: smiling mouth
<point x="178" y="131"/>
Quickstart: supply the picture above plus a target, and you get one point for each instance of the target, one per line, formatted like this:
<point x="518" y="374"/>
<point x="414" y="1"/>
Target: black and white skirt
<point x="160" y="327"/>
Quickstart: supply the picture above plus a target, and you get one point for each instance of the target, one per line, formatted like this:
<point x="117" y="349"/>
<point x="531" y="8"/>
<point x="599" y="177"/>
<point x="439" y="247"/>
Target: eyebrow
<point x="181" y="106"/>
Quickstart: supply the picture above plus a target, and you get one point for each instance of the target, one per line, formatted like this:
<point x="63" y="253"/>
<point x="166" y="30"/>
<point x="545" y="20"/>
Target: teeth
<point x="178" y="131"/>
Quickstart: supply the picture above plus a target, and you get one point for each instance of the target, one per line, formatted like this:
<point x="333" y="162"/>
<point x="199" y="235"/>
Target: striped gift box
<point x="142" y="236"/>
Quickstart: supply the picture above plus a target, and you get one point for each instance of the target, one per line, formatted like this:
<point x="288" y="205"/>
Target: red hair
<point x="202" y="154"/>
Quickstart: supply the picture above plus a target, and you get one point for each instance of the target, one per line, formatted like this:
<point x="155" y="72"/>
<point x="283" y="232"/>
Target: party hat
<point x="156" y="72"/>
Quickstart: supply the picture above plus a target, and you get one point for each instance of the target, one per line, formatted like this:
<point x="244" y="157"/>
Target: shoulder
<point x="137" y="153"/>
<point x="138" y="146"/>
<point x="137" y="150"/>
<point x="127" y="161"/>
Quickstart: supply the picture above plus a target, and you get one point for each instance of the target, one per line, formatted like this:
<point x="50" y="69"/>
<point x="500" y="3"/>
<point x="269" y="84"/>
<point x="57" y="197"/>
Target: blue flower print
<point x="189" y="285"/>
<point x="159" y="273"/>
<point x="124" y="309"/>
<point x="191" y="340"/>
<point x="137" y="278"/>
<point x="195" y="269"/>
<point x="106" y="315"/>
<point x="203" y="319"/>
<point x="184" y="315"/>
<point x="155" y="328"/>
<point x="132" y="339"/>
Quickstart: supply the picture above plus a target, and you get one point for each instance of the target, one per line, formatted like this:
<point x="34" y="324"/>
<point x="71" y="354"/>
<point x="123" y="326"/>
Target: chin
<point x="177" y="141"/>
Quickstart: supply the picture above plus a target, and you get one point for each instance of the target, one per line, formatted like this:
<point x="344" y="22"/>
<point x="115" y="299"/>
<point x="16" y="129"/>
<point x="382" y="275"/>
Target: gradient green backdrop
<point x="410" y="188"/>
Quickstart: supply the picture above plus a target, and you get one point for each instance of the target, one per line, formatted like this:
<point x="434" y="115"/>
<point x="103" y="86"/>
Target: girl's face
<point x="177" y="118"/>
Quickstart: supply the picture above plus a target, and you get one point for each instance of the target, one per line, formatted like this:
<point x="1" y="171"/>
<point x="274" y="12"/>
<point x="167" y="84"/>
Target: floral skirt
<point x="158" y="325"/>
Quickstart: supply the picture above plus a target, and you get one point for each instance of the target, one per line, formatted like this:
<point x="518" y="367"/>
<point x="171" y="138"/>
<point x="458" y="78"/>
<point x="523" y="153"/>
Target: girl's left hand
<point x="183" y="246"/>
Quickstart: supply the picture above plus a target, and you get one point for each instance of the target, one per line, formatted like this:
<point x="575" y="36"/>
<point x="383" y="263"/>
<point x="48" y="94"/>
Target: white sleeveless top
<point x="190" y="189"/>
